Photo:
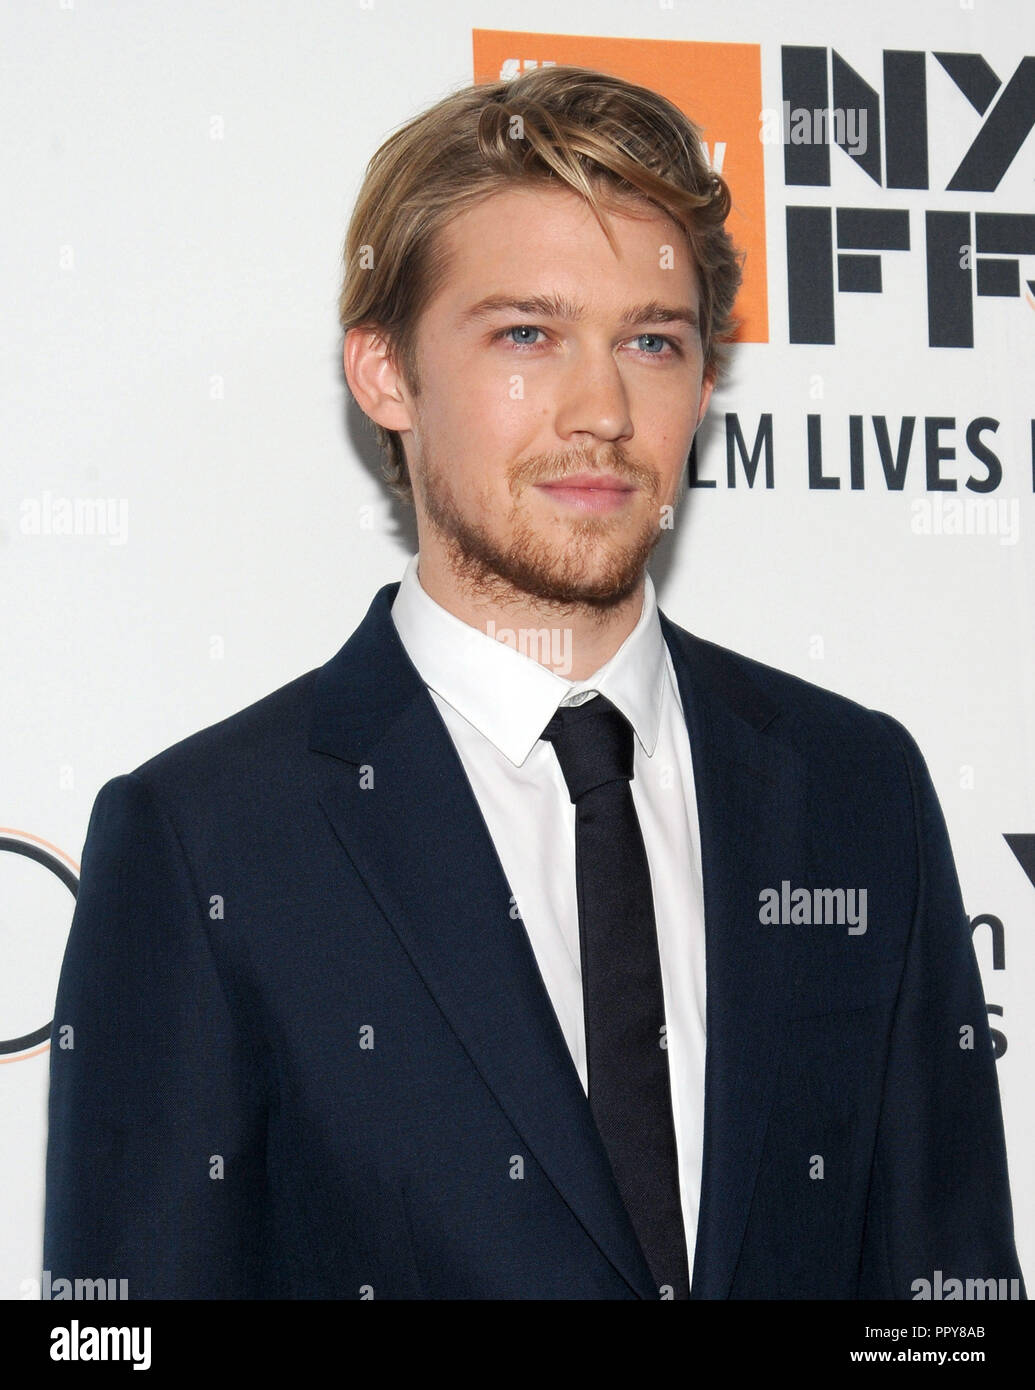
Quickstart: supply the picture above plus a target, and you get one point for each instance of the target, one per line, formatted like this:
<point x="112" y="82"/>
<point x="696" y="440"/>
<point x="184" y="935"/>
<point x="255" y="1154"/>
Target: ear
<point x="375" y="381"/>
<point x="707" y="386"/>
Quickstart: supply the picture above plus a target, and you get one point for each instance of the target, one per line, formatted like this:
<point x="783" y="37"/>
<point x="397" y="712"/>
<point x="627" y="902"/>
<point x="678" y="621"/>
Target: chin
<point x="564" y="578"/>
<point x="581" y="562"/>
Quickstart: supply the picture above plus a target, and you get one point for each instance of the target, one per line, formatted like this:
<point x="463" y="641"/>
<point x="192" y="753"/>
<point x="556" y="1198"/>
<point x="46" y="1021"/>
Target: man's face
<point x="561" y="386"/>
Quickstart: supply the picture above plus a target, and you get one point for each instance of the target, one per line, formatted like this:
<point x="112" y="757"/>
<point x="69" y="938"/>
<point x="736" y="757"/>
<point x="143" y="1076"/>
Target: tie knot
<point x="594" y="745"/>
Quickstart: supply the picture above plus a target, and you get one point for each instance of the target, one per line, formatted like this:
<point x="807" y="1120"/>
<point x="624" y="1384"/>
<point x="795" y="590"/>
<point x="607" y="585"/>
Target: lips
<point x="589" y="492"/>
<point x="589" y="482"/>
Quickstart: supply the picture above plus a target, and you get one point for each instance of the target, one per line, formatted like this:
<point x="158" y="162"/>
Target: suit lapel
<point x="751" y="797"/>
<point x="393" y="787"/>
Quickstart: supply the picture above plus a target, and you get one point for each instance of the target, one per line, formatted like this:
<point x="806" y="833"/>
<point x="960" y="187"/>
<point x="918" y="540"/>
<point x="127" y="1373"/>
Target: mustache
<point x="555" y="467"/>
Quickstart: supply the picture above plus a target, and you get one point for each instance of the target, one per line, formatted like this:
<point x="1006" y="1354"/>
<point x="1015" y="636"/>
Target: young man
<point x="442" y="972"/>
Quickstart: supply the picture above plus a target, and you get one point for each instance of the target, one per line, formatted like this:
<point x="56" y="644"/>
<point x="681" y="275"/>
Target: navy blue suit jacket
<point x="312" y="1055"/>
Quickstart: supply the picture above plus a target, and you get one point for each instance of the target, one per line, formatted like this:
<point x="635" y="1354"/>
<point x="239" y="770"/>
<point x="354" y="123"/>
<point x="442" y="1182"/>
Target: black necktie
<point x="629" y="1092"/>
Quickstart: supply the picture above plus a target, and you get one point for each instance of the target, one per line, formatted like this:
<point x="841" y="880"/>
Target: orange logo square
<point x="717" y="85"/>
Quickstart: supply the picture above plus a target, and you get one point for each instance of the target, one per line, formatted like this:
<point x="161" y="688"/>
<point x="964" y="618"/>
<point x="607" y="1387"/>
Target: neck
<point x="571" y="639"/>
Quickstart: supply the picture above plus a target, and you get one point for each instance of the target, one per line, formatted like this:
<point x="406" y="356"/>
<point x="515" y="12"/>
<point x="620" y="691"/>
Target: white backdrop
<point x="178" y="179"/>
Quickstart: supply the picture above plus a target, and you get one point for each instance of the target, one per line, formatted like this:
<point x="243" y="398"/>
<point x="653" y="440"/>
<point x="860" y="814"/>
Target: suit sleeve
<point x="155" y="1162"/>
<point x="939" y="1195"/>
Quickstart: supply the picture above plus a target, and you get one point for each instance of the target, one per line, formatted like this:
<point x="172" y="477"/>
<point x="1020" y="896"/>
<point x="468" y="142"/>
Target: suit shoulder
<point x="798" y="710"/>
<point x="249" y="747"/>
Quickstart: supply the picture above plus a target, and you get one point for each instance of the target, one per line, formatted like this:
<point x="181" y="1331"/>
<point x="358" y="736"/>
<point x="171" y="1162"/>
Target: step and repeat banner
<point x="190" y="507"/>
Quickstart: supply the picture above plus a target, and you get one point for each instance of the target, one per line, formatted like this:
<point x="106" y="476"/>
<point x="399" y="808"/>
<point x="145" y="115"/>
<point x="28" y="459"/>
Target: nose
<point x="593" y="399"/>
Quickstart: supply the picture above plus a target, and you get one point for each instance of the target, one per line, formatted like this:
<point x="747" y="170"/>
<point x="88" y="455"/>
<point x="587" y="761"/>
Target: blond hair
<point x="600" y="136"/>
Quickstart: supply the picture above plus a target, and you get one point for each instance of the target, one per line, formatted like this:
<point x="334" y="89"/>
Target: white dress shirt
<point x="495" y="702"/>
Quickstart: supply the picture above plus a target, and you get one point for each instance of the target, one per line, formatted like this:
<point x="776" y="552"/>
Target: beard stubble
<point x="554" y="574"/>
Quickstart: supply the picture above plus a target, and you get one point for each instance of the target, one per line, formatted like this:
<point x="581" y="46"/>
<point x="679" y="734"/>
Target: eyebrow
<point x="558" y="307"/>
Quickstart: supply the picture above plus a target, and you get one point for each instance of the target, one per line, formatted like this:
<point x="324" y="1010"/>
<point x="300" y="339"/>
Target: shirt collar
<point x="510" y="697"/>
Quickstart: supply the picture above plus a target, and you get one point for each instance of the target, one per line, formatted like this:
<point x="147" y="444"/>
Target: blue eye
<point x="657" y="338"/>
<point x="519" y="328"/>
